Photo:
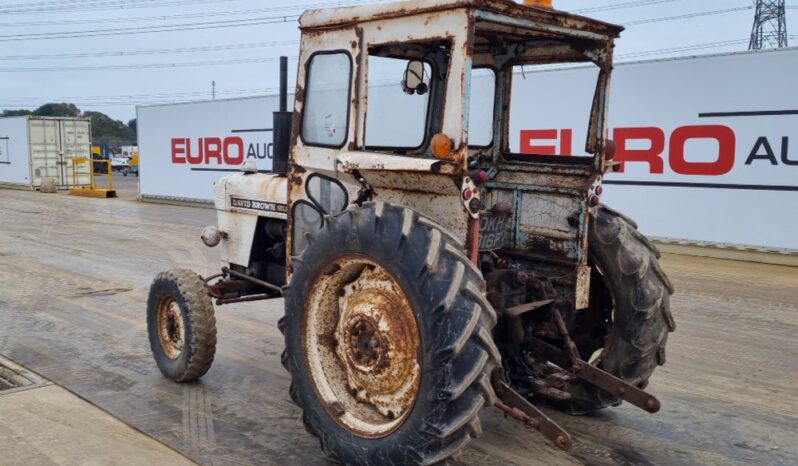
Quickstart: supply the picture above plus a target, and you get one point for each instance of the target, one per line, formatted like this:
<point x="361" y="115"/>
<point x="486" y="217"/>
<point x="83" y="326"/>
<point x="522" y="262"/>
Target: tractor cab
<point x="410" y="103"/>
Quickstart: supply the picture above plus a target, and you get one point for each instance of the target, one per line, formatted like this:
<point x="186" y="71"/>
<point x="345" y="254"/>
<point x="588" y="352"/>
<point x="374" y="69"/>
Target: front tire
<point x="181" y="325"/>
<point x="388" y="339"/>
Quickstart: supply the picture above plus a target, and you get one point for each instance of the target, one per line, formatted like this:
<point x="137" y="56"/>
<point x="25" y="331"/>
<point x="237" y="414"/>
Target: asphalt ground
<point x="74" y="276"/>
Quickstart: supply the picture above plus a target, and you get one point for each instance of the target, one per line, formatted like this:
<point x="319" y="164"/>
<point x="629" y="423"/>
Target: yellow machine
<point x="92" y="190"/>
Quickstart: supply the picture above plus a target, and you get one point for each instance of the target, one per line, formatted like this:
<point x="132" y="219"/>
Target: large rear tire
<point x="181" y="325"/>
<point x="639" y="297"/>
<point x="388" y="339"/>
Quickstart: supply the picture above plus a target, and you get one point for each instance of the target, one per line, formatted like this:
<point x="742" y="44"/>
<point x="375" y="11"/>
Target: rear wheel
<point x="630" y="293"/>
<point x="388" y="339"/>
<point x="181" y="325"/>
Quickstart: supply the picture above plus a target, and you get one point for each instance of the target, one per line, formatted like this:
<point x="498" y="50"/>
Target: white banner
<point x="705" y="142"/>
<point x="184" y="148"/>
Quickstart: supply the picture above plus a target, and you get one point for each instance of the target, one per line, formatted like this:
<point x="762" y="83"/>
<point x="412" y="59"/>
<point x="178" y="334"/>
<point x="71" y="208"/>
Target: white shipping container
<point x="706" y="141"/>
<point x="33" y="148"/>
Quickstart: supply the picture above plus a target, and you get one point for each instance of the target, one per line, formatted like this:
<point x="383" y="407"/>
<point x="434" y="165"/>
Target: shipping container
<point x="704" y="141"/>
<point x="33" y="148"/>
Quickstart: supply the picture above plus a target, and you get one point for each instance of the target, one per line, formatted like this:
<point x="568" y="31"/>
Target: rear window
<point x="550" y="111"/>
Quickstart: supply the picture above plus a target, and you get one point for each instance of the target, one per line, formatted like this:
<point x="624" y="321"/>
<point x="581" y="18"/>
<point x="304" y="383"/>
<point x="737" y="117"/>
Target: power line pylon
<point x="770" y="25"/>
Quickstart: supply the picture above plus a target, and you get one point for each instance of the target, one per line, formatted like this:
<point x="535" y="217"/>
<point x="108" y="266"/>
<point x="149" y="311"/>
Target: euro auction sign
<point x="216" y="151"/>
<point x="653" y="150"/>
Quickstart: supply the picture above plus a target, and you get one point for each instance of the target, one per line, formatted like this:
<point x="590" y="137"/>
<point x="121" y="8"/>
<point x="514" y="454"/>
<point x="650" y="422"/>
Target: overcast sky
<point x="127" y="58"/>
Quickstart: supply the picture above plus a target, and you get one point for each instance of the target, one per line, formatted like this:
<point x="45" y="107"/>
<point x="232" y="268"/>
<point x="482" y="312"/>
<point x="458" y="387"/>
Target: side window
<point x="326" y="112"/>
<point x="395" y="118"/>
<point x="327" y="193"/>
<point x="480" y="107"/>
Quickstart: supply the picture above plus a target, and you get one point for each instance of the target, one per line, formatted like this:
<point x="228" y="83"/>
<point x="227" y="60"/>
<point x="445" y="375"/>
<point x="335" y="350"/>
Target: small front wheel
<point x="181" y="325"/>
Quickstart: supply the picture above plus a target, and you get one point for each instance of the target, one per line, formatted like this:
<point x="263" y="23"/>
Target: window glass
<point x="395" y="118"/>
<point x="480" y="107"/>
<point x="307" y="219"/>
<point x="328" y="194"/>
<point x="327" y="100"/>
<point x="550" y="111"/>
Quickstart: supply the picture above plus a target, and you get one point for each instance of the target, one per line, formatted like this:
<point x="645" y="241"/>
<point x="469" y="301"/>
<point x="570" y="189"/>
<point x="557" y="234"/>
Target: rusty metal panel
<point x="582" y="292"/>
<point x="378" y="161"/>
<point x="447" y="211"/>
<point x="547" y="215"/>
<point x="337" y="17"/>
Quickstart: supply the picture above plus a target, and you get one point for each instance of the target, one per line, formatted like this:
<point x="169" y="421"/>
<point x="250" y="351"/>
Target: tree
<point x="132" y="124"/>
<point x="105" y="128"/>
<point x="11" y="113"/>
<point x="53" y="109"/>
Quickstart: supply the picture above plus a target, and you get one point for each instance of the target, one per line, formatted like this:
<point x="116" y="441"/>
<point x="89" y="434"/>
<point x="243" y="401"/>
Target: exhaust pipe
<point x="281" y="125"/>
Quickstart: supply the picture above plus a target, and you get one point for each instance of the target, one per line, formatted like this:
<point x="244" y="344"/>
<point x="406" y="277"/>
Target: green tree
<point x="11" y="113"/>
<point x="132" y="124"/>
<point x="62" y="109"/>
<point x="105" y="128"/>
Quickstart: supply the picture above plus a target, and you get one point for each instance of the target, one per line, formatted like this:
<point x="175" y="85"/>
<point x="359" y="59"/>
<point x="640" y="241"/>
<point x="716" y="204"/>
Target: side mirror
<point x="413" y="79"/>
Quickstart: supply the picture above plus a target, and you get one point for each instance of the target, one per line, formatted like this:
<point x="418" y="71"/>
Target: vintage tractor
<point x="429" y="269"/>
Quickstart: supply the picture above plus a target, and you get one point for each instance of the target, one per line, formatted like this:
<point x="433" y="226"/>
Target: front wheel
<point x="181" y="325"/>
<point x="388" y="339"/>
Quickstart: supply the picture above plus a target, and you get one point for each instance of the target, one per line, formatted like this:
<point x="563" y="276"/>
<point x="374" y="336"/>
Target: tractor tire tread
<point x="464" y="355"/>
<point x="200" y="321"/>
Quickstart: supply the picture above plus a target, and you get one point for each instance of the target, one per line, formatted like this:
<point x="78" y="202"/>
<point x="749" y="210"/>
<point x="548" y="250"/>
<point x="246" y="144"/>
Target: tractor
<point x="429" y="269"/>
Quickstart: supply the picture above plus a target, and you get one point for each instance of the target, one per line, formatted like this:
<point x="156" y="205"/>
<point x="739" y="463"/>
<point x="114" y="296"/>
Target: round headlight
<point x="211" y="236"/>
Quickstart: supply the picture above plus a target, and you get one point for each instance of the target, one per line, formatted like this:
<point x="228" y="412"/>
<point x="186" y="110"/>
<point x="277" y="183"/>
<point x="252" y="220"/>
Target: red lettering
<point x="726" y="144"/>
<point x="529" y="135"/>
<point x="213" y="150"/>
<point x="566" y="137"/>
<point x="194" y="158"/>
<point x="230" y="159"/>
<point x="652" y="155"/>
<point x="178" y="148"/>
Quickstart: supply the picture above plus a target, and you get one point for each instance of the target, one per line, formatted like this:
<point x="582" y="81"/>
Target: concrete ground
<point x="50" y="426"/>
<point x="74" y="275"/>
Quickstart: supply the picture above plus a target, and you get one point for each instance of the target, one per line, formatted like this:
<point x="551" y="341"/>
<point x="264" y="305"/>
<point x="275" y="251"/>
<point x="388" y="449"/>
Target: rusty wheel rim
<point x="171" y="331"/>
<point x="362" y="345"/>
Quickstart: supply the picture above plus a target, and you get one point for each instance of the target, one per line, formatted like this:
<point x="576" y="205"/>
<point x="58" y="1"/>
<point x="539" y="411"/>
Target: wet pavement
<point x="74" y="275"/>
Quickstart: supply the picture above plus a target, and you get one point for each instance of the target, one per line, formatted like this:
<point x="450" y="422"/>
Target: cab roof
<point x="331" y="18"/>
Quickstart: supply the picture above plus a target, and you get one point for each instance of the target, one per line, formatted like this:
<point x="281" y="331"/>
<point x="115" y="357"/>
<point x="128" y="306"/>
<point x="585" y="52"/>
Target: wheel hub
<point x="170" y="327"/>
<point x="363" y="346"/>
<point x="365" y="342"/>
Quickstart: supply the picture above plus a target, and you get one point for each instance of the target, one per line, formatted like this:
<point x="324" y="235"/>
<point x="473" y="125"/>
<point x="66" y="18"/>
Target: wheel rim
<point x="171" y="331"/>
<point x="362" y="346"/>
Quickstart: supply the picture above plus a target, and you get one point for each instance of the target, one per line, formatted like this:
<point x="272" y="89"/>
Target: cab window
<point x="325" y="116"/>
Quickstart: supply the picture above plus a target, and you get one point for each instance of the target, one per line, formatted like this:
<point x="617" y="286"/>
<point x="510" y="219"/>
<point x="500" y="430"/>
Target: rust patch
<point x="362" y="344"/>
